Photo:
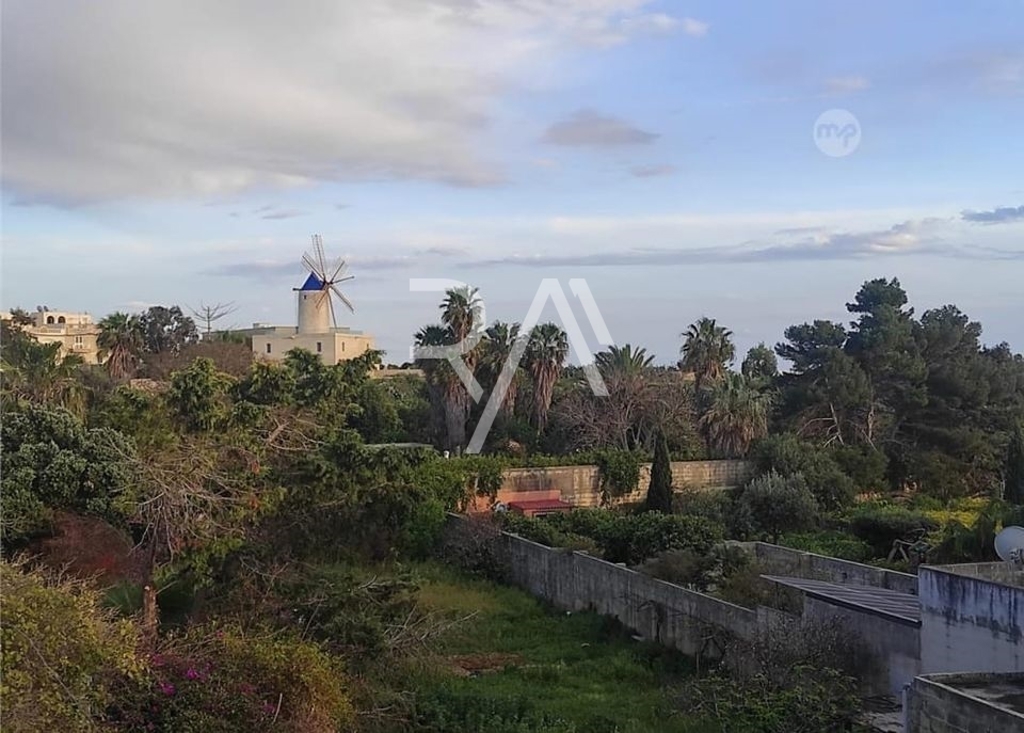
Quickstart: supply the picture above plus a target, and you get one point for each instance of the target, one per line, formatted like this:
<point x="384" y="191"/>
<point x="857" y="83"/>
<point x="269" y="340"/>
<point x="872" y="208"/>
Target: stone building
<point x="75" y="332"/>
<point x="314" y="331"/>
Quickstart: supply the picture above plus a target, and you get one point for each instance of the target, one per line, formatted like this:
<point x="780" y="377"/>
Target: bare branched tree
<point x="210" y="314"/>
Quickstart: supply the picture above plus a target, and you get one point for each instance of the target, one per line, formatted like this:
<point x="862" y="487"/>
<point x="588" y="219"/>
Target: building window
<point x="62" y="319"/>
<point x="319" y="347"/>
<point x="49" y="320"/>
<point x="342" y="345"/>
<point x="268" y="348"/>
<point x="78" y="342"/>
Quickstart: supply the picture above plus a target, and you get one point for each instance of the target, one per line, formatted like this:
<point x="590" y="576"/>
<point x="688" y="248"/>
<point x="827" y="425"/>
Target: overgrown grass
<point x="547" y="670"/>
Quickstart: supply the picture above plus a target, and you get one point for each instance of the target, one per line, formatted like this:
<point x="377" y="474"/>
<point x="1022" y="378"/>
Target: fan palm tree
<point x="545" y="356"/>
<point x="120" y="339"/>
<point x="461" y="312"/>
<point x="499" y="341"/>
<point x="40" y="373"/>
<point x="737" y="415"/>
<point x="707" y="349"/>
<point x="449" y="399"/>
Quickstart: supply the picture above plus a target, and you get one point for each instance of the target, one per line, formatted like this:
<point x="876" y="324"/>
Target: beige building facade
<point x="332" y="346"/>
<point x="75" y="332"/>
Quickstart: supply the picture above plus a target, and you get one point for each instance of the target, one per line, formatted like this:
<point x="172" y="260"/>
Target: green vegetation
<point x="514" y="666"/>
<point x="659" y="493"/>
<point x="259" y="557"/>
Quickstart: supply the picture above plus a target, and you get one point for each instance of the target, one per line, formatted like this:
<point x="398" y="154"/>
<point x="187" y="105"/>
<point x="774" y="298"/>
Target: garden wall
<point x="970" y="623"/>
<point x="657" y="610"/>
<point x="581" y="485"/>
<point x="778" y="560"/>
<point x="965" y="703"/>
<point x="686" y="620"/>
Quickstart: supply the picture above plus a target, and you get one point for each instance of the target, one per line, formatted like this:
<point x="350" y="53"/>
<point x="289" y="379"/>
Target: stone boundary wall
<point x="969" y="622"/>
<point x="935" y="705"/>
<point x="683" y="619"/>
<point x="581" y="485"/>
<point x="778" y="560"/>
<point x="655" y="609"/>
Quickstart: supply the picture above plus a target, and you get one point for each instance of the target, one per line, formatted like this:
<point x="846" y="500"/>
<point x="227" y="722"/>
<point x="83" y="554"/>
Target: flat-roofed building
<point x="75" y="332"/>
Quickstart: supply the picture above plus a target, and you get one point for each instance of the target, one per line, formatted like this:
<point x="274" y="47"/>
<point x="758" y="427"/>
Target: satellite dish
<point x="1010" y="545"/>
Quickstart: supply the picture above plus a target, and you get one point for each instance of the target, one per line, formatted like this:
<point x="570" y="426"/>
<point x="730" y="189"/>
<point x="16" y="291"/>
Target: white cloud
<point x="126" y="99"/>
<point x="653" y="171"/>
<point x="588" y="128"/>
<point x="695" y="28"/>
<point x="838" y="85"/>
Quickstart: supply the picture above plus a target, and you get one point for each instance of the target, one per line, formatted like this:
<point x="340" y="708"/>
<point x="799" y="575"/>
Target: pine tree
<point x="1014" y="492"/>
<point x="659" y="493"/>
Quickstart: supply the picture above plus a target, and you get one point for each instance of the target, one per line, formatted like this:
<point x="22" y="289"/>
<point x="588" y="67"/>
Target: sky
<point x="678" y="156"/>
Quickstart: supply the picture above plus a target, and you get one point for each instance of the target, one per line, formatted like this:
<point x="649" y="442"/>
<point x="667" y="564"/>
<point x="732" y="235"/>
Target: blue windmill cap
<point x="312" y="283"/>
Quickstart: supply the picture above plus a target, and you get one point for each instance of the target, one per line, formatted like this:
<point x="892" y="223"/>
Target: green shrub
<point x="49" y="461"/>
<point x="450" y="711"/>
<point x="625" y="538"/>
<point x="221" y="680"/>
<point x="772" y="504"/>
<point x="832" y="543"/>
<point x="633" y="538"/>
<point x="879" y="525"/>
<point x="745" y="587"/>
<point x="788" y="455"/>
<point x="819" y="700"/>
<point x="62" y="654"/>
<point x="697" y="571"/>
<point x="714" y="506"/>
<point x="619" y="471"/>
<point x="681" y="567"/>
<point x="865" y="465"/>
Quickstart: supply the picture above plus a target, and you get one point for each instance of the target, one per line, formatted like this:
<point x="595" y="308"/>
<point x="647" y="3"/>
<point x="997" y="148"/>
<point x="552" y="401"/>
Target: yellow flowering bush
<point x="61" y="652"/>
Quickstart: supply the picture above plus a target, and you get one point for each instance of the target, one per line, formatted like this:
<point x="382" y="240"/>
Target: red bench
<point x="538" y="503"/>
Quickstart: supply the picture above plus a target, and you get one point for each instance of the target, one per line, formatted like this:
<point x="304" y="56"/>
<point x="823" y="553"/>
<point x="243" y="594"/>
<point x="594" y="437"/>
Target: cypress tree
<point x="659" y="493"/>
<point x="1014" y="492"/>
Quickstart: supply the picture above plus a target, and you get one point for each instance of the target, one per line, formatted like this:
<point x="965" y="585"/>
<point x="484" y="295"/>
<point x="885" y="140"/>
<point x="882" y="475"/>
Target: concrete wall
<point x="332" y="347"/>
<point x="581" y="485"/>
<point x="895" y="645"/>
<point x="778" y="560"/>
<point x="688" y="620"/>
<point x="938" y="704"/>
<point x="969" y="623"/>
<point x="999" y="572"/>
<point x="655" y="609"/>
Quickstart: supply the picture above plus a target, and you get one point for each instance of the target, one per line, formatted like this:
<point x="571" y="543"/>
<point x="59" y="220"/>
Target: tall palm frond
<point x="707" y="350"/>
<point x="736" y="416"/>
<point x="545" y="357"/>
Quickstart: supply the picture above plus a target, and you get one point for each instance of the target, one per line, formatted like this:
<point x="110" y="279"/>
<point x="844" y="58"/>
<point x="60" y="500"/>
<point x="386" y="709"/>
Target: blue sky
<point x="663" y="151"/>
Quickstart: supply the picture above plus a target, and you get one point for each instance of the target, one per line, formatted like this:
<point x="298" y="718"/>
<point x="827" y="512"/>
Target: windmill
<point x="315" y="296"/>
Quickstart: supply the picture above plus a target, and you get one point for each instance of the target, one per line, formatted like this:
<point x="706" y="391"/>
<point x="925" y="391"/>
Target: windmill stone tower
<point x="314" y="306"/>
<point x="317" y="328"/>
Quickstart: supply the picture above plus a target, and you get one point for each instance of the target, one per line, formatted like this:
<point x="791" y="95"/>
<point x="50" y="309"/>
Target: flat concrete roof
<point x="1001" y="689"/>
<point x="900" y="606"/>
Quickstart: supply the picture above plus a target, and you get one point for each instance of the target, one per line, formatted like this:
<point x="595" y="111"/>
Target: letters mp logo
<point x="549" y="289"/>
<point x="836" y="132"/>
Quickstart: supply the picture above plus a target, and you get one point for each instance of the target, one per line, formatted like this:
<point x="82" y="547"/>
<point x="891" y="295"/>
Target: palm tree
<point x="706" y="351"/>
<point x="736" y="416"/>
<point x="461" y="311"/>
<point x="623" y="362"/>
<point x="449" y="399"/>
<point x="499" y="341"/>
<point x="545" y="357"/>
<point x="39" y="373"/>
<point x="120" y="338"/>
